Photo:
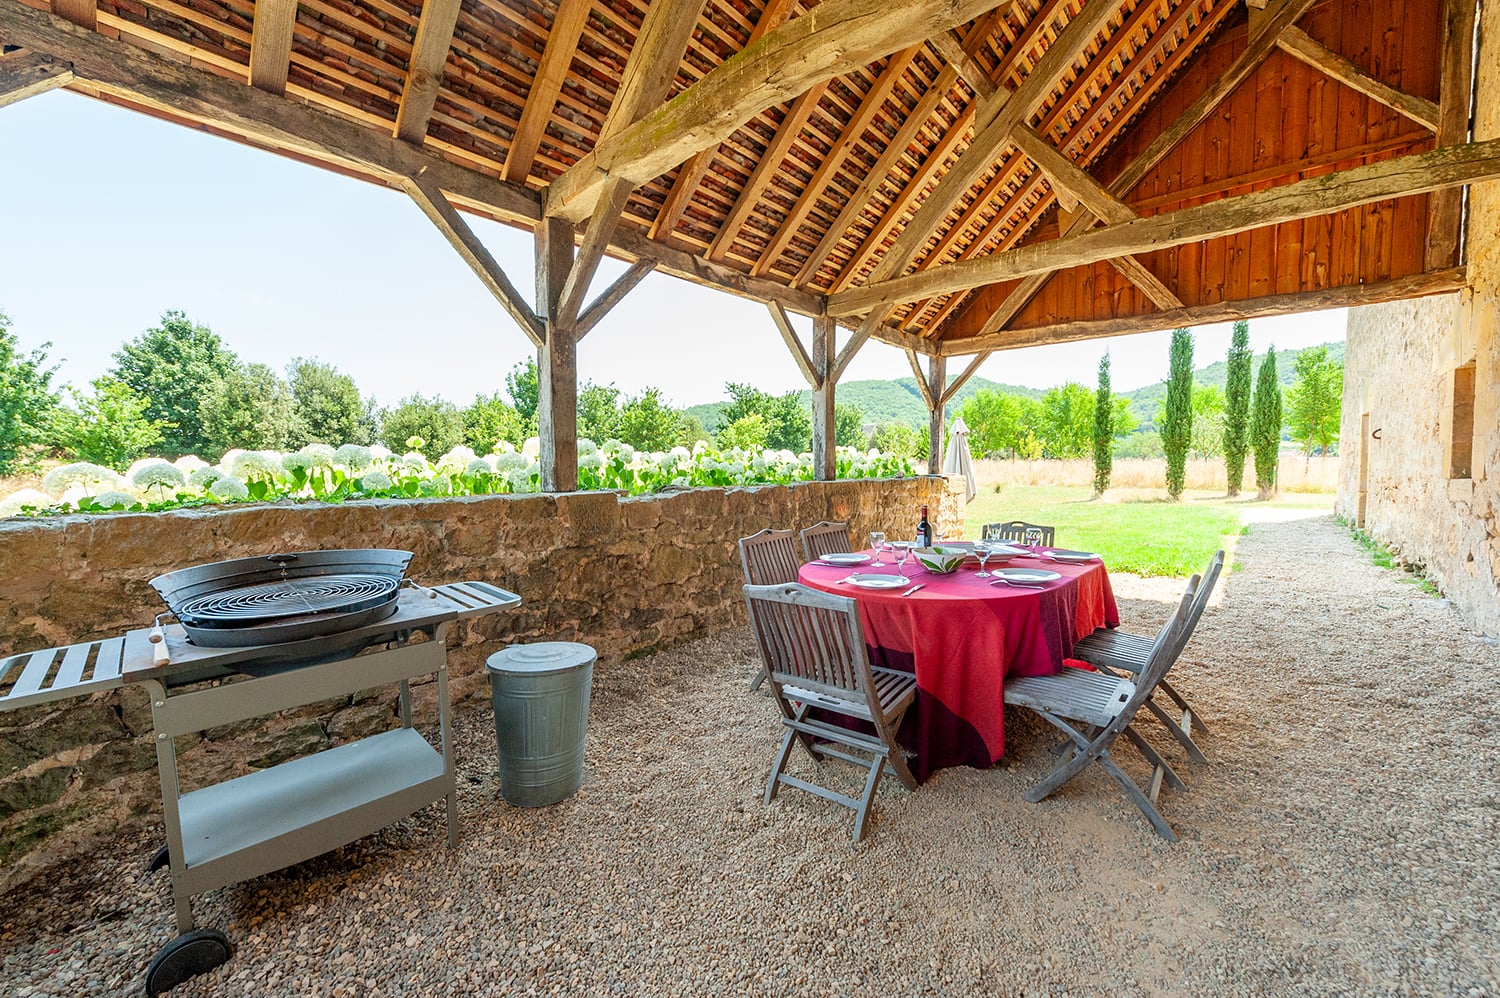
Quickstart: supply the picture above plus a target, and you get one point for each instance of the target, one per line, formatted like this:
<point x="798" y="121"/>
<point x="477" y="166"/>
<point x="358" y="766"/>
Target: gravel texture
<point x="1342" y="841"/>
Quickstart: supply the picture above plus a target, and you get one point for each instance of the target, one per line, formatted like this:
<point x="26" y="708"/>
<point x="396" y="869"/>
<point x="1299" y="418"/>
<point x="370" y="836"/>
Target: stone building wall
<point x="1426" y="376"/>
<point x="626" y="575"/>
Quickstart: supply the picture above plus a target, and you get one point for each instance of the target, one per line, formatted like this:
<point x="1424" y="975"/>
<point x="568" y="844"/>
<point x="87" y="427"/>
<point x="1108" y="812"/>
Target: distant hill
<point x="899" y="401"/>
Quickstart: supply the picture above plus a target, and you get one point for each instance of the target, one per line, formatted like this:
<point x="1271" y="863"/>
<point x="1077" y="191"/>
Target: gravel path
<point x="1343" y="842"/>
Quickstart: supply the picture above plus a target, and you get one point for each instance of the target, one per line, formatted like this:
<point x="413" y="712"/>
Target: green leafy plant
<point x="1237" y="406"/>
<point x="1177" y="413"/>
<point x="1104" y="429"/>
<point x="1265" y="425"/>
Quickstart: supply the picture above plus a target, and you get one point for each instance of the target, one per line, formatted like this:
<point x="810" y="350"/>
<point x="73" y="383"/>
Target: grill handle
<point x="281" y="559"/>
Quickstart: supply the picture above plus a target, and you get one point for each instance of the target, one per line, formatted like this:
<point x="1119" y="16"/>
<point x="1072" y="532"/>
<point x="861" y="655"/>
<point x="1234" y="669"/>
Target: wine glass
<point x="903" y="552"/>
<point x="877" y="542"/>
<point x="1033" y="539"/>
<point x="984" y="552"/>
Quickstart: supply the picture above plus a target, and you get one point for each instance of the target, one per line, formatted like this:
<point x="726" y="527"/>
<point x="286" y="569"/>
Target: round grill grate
<point x="285" y="598"/>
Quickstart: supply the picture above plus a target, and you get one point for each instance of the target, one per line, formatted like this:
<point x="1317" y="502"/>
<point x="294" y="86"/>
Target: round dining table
<point x="962" y="635"/>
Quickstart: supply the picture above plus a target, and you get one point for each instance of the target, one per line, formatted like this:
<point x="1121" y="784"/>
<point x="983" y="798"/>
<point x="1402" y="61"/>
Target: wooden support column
<point x="824" y="441"/>
<point x="1445" y="208"/>
<point x="937" y="378"/>
<point x="557" y="360"/>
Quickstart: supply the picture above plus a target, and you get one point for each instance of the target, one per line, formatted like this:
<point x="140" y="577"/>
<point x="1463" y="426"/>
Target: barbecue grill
<point x="251" y="637"/>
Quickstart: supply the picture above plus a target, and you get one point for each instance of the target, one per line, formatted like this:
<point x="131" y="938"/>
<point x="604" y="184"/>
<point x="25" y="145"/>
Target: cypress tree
<point x="1237" y="407"/>
<point x="1177" y="422"/>
<point x="1104" y="429"/>
<point x="1265" y="425"/>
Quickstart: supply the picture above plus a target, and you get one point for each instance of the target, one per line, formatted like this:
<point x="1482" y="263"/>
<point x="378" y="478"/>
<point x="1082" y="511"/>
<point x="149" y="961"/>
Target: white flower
<point x="379" y="452"/>
<point x="680" y="453"/>
<point x="625" y="452"/>
<point x="532" y="447"/>
<point x="510" y="460"/>
<point x="504" y="447"/>
<point x="375" y="481"/>
<point x="115" y="500"/>
<point x="157" y="475"/>
<point x="680" y="482"/>
<point x="593" y="460"/>
<point x="318" y="455"/>
<point x="189" y="463"/>
<point x="90" y="476"/>
<point x="203" y="477"/>
<point x="519" y="480"/>
<point x="456" y="460"/>
<point x="479" y="466"/>
<point x="229" y="487"/>
<point x="699" y="447"/>
<point x="354" y="457"/>
<point x="252" y="464"/>
<point x="11" y="504"/>
<point x="586" y="446"/>
<point x="414" y="461"/>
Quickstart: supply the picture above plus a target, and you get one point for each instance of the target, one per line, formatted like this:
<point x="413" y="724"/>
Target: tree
<point x="1177" y="416"/>
<point x="524" y="387"/>
<point x="110" y="427"/>
<point x="599" y="412"/>
<point x="1265" y="425"/>
<point x="997" y="421"/>
<point x="1314" y="403"/>
<point x="27" y="401"/>
<point x="328" y="406"/>
<point x="647" y="423"/>
<point x="1104" y="429"/>
<point x="1067" y="425"/>
<point x="901" y="440"/>
<point x="788" y="421"/>
<point x="746" y="432"/>
<point x="690" y="430"/>
<point x="1237" y="407"/>
<point x="250" y="407"/>
<point x="436" y="422"/>
<point x="1207" y="437"/>
<point x="489" y="420"/>
<point x="173" y="366"/>
<point x="848" y="425"/>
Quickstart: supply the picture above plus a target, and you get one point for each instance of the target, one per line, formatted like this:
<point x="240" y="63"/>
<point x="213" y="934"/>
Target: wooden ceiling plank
<point x="1343" y="296"/>
<point x="794" y="344"/>
<point x="26" y="74"/>
<point x="1300" y="45"/>
<point x="271" y="44"/>
<point x="557" y="56"/>
<point x="1448" y="166"/>
<point x="874" y="100"/>
<point x="424" y="71"/>
<point x="695" y="169"/>
<point x="84" y="13"/>
<point x="429" y="197"/>
<point x="846" y="35"/>
<point x="1446" y="208"/>
<point x="1260" y="43"/>
<point x="612" y="296"/>
<point x="765" y="169"/>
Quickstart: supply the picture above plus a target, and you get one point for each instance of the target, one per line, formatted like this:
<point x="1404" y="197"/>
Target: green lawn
<point x="1140" y="533"/>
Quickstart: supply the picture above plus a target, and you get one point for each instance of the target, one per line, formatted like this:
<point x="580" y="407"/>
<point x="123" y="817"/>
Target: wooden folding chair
<point x="825" y="538"/>
<point x="1016" y="530"/>
<point x="1120" y="652"/>
<point x="814" y="648"/>
<point x="769" y="558"/>
<point x="1105" y="705"/>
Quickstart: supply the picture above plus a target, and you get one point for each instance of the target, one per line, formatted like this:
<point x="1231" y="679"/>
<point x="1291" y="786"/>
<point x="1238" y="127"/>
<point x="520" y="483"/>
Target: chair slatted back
<point x="769" y="558"/>
<point x="1164" y="652"/>
<point x="811" y="639"/>
<point x="1016" y="530"/>
<point x="827" y="537"/>
<point x="1205" y="589"/>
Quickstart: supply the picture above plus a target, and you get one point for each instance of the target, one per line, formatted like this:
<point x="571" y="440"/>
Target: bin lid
<point x="541" y="657"/>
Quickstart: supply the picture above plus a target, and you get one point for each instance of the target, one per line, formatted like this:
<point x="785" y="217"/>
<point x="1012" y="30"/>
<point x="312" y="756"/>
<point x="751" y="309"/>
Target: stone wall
<point x="626" y="575"/>
<point x="1439" y="510"/>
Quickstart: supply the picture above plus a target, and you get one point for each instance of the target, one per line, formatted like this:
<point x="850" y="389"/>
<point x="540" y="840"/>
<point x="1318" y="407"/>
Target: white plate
<point x="1027" y="574"/>
<point x="1072" y="555"/>
<point x="842" y="558"/>
<point x="999" y="550"/>
<point x="879" y="581"/>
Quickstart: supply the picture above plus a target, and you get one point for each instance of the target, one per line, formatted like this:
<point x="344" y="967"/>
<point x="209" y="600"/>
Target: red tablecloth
<point x="962" y="636"/>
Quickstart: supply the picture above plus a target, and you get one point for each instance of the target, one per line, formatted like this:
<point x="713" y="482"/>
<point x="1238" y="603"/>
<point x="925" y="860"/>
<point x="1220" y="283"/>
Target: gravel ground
<point x="1342" y="842"/>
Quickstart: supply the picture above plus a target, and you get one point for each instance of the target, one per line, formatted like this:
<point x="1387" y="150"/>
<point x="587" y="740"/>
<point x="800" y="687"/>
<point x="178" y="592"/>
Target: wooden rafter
<point x="845" y="35"/>
<point x="1261" y="42"/>
<point x="612" y="296"/>
<point x="958" y="382"/>
<point x="1300" y="45"/>
<point x="84" y="13"/>
<point x="557" y="56"/>
<point x="685" y="184"/>
<point x="1449" y="166"/>
<point x="271" y="44"/>
<point x="435" y="205"/>
<point x="922" y="384"/>
<point x="26" y="74"/>
<point x="424" y="71"/>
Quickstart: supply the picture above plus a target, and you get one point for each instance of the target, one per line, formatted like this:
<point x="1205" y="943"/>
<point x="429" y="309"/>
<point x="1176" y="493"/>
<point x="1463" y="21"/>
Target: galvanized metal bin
<point x="541" y="697"/>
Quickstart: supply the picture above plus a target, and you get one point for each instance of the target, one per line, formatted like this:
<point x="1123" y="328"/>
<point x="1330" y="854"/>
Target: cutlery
<point x="913" y="589"/>
<point x="1017" y="585"/>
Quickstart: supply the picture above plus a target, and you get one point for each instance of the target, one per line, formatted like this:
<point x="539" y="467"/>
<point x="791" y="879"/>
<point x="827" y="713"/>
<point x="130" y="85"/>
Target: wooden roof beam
<point x="430" y="198"/>
<point x="26" y="74"/>
<point x="958" y="382"/>
<point x="1300" y="45"/>
<point x="685" y="184"/>
<point x="1448" y="166"/>
<point x="612" y="296"/>
<point x="845" y="35"/>
<point x="923" y="386"/>
<point x="84" y="13"/>
<point x="794" y="344"/>
<point x="424" y="71"/>
<point x="557" y="56"/>
<point x="271" y="44"/>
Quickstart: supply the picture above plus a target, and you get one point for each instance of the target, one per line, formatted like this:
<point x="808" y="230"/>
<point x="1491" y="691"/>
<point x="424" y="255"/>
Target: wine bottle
<point x="924" y="530"/>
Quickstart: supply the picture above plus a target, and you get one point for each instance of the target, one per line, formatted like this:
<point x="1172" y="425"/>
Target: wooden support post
<point x="557" y="361"/>
<point x="824" y="442"/>
<point x="1445" y="208"/>
<point x="937" y="378"/>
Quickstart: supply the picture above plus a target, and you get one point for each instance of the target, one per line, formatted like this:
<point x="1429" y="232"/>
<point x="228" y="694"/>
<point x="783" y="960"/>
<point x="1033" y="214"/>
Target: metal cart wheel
<point x="190" y="954"/>
<point x="160" y="861"/>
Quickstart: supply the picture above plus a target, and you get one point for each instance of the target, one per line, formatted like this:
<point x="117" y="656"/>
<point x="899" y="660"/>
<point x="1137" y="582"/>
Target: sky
<point x="111" y="218"/>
